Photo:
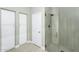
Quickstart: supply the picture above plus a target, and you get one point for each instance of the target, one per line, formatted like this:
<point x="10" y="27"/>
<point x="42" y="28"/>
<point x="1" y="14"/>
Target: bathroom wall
<point x="66" y="21"/>
<point x="69" y="28"/>
<point x="55" y="25"/>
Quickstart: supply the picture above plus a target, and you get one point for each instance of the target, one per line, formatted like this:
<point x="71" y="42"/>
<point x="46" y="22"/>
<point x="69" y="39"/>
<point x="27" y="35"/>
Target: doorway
<point x="37" y="28"/>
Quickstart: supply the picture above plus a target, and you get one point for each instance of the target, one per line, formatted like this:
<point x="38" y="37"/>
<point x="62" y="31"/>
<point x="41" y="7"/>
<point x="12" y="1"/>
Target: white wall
<point x="36" y="9"/>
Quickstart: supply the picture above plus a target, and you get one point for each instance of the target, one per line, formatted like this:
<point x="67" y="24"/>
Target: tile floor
<point x="28" y="47"/>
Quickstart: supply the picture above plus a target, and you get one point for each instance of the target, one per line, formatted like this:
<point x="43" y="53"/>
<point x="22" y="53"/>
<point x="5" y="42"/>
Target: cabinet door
<point x="23" y="28"/>
<point x="7" y="30"/>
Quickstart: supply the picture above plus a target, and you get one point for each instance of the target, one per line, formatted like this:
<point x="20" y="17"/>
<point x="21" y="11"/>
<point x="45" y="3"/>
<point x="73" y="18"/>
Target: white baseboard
<point x="29" y="42"/>
<point x="3" y="50"/>
<point x="43" y="48"/>
<point x="17" y="46"/>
